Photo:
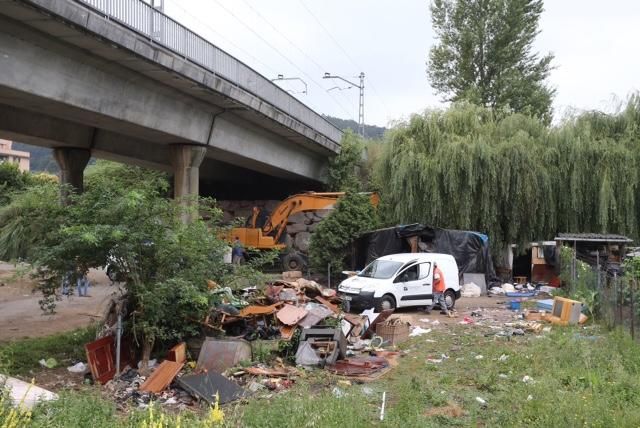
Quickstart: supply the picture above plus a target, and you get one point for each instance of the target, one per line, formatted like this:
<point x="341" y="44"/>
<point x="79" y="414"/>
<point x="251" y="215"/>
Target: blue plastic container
<point x="514" y="305"/>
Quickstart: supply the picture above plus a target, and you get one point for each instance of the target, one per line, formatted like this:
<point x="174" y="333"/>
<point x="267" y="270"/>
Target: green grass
<point x="577" y="381"/>
<point x="20" y="357"/>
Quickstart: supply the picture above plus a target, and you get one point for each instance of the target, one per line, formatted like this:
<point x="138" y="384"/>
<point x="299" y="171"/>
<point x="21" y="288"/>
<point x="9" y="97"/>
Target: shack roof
<point x="592" y="237"/>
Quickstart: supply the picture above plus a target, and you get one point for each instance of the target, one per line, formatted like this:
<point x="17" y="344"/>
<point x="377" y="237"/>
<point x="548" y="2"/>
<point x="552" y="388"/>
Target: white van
<point x="400" y="280"/>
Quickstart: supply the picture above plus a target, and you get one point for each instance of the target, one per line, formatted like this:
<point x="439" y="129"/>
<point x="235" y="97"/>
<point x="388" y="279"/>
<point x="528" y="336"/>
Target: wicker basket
<point x="393" y="333"/>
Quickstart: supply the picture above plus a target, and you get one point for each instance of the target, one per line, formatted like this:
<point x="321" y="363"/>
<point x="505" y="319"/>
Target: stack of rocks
<point x="300" y="226"/>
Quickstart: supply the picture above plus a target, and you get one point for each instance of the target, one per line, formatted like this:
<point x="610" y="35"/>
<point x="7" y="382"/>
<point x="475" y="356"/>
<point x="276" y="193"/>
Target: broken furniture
<point x="217" y="355"/>
<point x="101" y="356"/>
<point x="565" y="311"/>
<point x="178" y="353"/>
<point x="206" y="386"/>
<point x="317" y="352"/>
<point x="327" y="334"/>
<point x="100" y="359"/>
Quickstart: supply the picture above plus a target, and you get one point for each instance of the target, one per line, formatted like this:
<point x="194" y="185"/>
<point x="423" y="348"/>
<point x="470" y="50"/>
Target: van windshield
<point x="381" y="269"/>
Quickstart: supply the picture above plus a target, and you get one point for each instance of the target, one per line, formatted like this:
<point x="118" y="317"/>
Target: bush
<point x="353" y="214"/>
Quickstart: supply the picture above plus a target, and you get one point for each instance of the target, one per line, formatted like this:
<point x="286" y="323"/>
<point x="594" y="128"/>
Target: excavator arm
<point x="269" y="235"/>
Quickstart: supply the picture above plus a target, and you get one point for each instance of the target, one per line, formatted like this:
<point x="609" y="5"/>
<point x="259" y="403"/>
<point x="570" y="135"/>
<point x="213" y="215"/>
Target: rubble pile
<point x="229" y="361"/>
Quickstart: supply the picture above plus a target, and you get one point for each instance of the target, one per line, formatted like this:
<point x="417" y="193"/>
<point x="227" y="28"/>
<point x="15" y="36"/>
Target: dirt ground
<point x="21" y="316"/>
<point x="20" y="313"/>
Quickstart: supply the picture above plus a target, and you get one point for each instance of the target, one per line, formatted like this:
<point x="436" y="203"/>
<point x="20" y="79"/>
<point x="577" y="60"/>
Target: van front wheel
<point x="386" y="302"/>
<point x="450" y="298"/>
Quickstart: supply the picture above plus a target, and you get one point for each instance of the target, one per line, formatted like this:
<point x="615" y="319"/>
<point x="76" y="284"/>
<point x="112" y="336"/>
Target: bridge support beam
<point x="72" y="162"/>
<point x="186" y="160"/>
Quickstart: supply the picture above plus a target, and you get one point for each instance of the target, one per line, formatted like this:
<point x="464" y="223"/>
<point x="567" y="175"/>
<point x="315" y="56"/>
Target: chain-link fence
<point x="609" y="294"/>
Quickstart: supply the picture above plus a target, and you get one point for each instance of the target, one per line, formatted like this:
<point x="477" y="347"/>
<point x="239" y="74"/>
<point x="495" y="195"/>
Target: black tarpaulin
<point x="469" y="249"/>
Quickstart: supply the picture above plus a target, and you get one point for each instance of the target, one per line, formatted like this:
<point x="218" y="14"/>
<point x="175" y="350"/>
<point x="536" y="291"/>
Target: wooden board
<point x="161" y="377"/>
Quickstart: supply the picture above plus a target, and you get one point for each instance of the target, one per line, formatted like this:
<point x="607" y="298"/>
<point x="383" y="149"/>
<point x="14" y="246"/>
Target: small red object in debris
<point x="467" y="320"/>
<point x="358" y="366"/>
<point x="100" y="359"/>
<point x="161" y="377"/>
<point x="178" y="353"/>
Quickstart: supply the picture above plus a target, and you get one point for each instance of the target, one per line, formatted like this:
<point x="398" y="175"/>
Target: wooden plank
<point x="161" y="377"/>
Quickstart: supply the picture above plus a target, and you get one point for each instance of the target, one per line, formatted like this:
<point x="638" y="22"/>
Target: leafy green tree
<point x="123" y="218"/>
<point x="11" y="180"/>
<point x="352" y="215"/>
<point x="512" y="177"/>
<point x="485" y="55"/>
<point x="343" y="174"/>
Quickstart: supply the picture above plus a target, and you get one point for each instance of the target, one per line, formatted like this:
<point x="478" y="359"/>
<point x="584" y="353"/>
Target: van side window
<point x="425" y="270"/>
<point x="409" y="274"/>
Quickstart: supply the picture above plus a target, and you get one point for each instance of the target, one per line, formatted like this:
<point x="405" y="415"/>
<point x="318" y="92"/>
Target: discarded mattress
<point x="24" y="394"/>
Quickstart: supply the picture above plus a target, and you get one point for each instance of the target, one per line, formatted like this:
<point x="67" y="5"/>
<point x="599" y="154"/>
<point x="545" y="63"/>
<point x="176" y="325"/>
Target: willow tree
<point x="511" y="176"/>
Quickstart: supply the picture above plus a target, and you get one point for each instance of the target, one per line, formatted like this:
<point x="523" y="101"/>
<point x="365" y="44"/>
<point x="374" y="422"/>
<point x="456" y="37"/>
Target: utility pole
<point x="281" y="77"/>
<point x="361" y="104"/>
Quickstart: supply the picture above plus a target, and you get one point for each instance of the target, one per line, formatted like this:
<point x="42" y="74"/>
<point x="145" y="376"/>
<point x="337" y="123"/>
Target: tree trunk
<point x="147" y="346"/>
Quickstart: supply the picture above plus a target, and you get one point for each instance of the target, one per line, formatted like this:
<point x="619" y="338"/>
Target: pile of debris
<point x="293" y="311"/>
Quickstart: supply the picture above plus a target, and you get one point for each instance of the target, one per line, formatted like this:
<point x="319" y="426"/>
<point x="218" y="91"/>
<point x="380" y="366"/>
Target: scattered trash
<point x="503" y="376"/>
<point x="418" y="331"/>
<point x="529" y="397"/>
<point x="78" y="368"/>
<point x="470" y="290"/>
<point x="467" y="320"/>
<point x="527" y="379"/>
<point x="479" y="357"/>
<point x="503" y="358"/>
<point x="384" y="398"/>
<point x="435" y="322"/>
<point x="366" y="390"/>
<point x="482" y="401"/>
<point x="49" y="363"/>
<point x="337" y="392"/>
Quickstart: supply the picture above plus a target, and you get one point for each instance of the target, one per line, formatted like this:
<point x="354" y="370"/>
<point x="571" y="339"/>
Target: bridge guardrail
<point x="150" y="22"/>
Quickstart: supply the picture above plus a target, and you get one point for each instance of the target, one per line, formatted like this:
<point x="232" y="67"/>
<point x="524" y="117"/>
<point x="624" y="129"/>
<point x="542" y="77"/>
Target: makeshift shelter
<point x="605" y="251"/>
<point x="469" y="249"/>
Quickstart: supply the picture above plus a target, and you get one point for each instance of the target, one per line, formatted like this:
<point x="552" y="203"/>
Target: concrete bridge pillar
<point x="186" y="160"/>
<point x="72" y="162"/>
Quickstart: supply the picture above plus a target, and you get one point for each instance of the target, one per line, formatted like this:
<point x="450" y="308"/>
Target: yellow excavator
<point x="266" y="233"/>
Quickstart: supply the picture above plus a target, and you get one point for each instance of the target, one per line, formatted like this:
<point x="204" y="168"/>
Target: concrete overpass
<point x="117" y="79"/>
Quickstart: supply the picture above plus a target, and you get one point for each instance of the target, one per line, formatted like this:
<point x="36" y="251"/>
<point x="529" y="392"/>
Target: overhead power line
<point x="346" y="54"/>
<point x="320" y="68"/>
<point x="279" y="53"/>
<point x="210" y="28"/>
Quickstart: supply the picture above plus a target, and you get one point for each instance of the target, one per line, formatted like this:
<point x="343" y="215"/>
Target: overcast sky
<point x="594" y="42"/>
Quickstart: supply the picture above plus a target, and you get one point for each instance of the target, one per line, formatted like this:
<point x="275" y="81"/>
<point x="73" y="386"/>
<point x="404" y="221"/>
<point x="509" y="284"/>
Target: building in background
<point x="7" y="154"/>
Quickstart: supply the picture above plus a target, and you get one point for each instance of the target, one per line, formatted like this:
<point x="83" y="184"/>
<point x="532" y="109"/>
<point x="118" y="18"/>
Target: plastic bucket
<point x="514" y="305"/>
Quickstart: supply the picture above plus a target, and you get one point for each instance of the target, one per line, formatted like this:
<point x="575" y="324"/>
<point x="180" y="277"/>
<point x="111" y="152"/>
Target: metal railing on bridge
<point x="158" y="27"/>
